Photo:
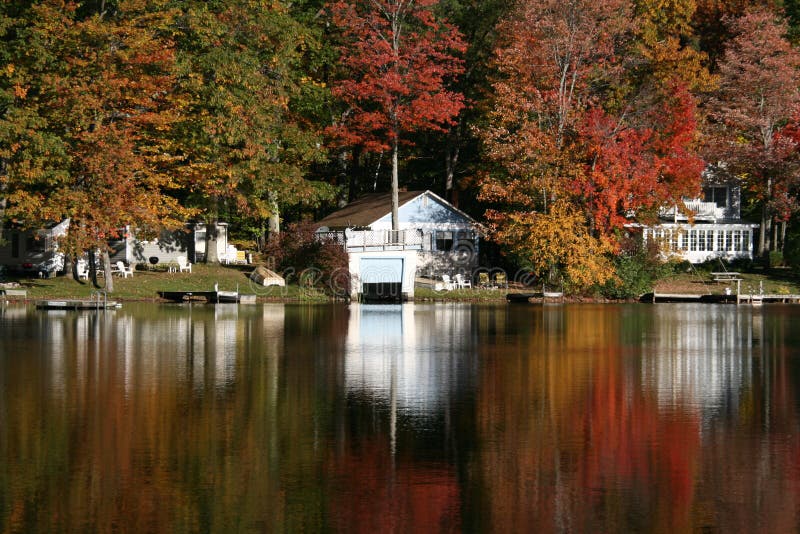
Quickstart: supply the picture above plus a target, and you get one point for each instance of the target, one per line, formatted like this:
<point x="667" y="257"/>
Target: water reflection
<point x="701" y="356"/>
<point x="413" y="357"/>
<point x="399" y="418"/>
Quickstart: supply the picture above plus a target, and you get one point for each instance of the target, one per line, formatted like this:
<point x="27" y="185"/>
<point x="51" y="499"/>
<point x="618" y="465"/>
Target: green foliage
<point x="776" y="258"/>
<point x="636" y="269"/>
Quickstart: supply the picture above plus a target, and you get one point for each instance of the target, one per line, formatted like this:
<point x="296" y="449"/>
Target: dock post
<point x="738" y="289"/>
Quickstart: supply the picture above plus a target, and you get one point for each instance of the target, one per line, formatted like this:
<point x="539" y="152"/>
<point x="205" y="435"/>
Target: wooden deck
<point x="543" y="296"/>
<point x="214" y="296"/>
<point x="77" y="305"/>
<point x="717" y="298"/>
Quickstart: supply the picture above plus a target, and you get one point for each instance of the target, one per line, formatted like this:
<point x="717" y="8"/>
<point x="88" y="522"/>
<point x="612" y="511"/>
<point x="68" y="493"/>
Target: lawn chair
<point x="81" y="269"/>
<point x="448" y="284"/>
<point x="483" y="280"/>
<point x="462" y="283"/>
<point x="183" y="264"/>
<point x="500" y="280"/>
<point x="123" y="271"/>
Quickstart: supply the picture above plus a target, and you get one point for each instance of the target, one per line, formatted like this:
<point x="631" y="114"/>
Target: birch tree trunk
<point x="212" y="254"/>
<point x="395" y="187"/>
<point x="107" y="270"/>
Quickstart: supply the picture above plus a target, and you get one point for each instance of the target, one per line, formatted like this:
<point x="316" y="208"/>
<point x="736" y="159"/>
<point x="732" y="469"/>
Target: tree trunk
<point x="3" y="188"/>
<point x="107" y="270"/>
<point x="92" y="267"/>
<point x="395" y="187"/>
<point x="274" y="224"/>
<point x="451" y="160"/>
<point x="775" y="245"/>
<point x="70" y="267"/>
<point x="212" y="254"/>
<point x="783" y="236"/>
<point x="763" y="233"/>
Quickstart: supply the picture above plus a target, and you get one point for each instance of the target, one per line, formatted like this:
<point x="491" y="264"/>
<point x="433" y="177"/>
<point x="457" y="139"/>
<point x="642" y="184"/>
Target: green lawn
<point x="145" y="285"/>
<point x="774" y="281"/>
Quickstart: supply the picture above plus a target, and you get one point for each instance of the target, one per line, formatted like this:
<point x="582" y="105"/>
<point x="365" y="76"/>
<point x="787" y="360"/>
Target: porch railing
<point x="366" y="240"/>
<point x="700" y="209"/>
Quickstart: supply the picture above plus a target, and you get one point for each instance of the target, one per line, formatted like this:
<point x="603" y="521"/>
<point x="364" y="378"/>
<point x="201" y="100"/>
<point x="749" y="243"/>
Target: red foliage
<point x="638" y="167"/>
<point x="397" y="60"/>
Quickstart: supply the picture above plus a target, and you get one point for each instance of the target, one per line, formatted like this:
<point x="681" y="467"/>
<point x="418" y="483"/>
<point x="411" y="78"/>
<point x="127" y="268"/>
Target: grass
<point x="145" y="285"/>
<point x="774" y="281"/>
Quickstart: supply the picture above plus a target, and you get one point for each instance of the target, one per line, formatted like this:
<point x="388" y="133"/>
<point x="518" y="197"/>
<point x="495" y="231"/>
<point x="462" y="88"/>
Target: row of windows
<point x="695" y="240"/>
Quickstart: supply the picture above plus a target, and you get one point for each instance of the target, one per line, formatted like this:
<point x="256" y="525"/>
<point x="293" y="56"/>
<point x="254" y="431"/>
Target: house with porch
<point x="33" y="251"/>
<point x="434" y="237"/>
<point x="717" y="229"/>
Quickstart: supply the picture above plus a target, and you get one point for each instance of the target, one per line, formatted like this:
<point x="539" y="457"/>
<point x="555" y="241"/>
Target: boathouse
<point x="434" y="237"/>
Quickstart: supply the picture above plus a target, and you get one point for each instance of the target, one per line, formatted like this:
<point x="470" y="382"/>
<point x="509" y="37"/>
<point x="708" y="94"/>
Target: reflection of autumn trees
<point x="572" y="440"/>
<point x="373" y="492"/>
<point x="143" y="442"/>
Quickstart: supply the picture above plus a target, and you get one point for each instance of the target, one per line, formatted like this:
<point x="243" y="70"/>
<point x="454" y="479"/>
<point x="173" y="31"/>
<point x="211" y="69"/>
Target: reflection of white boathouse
<point x="391" y="355"/>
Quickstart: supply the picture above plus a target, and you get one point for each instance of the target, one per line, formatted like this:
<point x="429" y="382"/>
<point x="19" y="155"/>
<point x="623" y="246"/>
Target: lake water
<point x="390" y="418"/>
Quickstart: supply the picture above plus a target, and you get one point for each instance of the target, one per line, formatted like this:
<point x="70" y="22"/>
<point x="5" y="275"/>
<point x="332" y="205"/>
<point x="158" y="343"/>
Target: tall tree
<point x="245" y="144"/>
<point x="759" y="91"/>
<point x="397" y="60"/>
<point x="573" y="129"/>
<point x="100" y="99"/>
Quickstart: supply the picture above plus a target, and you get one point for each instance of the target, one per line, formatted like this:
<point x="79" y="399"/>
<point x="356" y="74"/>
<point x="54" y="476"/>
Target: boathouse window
<point x="444" y="241"/>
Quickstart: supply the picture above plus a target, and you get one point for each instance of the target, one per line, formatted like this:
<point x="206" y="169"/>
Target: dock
<point x="77" y="305"/>
<point x="743" y="298"/>
<point x="543" y="296"/>
<point x="214" y="297"/>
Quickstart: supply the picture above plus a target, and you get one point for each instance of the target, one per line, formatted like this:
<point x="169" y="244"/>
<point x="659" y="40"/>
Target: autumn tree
<point x="96" y="105"/>
<point x="397" y="59"/>
<point x="758" y="94"/>
<point x="575" y="129"/>
<point x="245" y="143"/>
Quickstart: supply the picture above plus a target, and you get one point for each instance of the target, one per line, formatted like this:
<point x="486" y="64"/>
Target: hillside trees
<point x="759" y="93"/>
<point x="397" y="59"/>
<point x="244" y="143"/>
<point x="579" y="139"/>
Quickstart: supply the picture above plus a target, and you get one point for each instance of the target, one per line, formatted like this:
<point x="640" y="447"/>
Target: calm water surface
<point x="413" y="418"/>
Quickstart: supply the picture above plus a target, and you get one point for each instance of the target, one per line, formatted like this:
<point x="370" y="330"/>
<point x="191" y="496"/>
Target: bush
<point x="775" y="258"/>
<point x="312" y="262"/>
<point x="636" y="268"/>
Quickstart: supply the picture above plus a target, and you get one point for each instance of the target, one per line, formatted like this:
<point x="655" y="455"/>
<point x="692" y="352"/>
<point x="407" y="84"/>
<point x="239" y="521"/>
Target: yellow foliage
<point x="558" y="239"/>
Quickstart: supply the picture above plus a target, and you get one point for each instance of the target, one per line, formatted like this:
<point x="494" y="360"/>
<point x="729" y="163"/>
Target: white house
<point x="434" y="237"/>
<point x="189" y="242"/>
<point x="33" y="251"/>
<point x="717" y="230"/>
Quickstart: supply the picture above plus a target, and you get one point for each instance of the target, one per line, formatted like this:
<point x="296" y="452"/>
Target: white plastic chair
<point x="462" y="283"/>
<point x="83" y="272"/>
<point x="123" y="271"/>
<point x="448" y="284"/>
<point x="183" y="264"/>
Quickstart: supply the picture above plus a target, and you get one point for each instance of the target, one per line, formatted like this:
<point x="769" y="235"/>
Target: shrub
<point x="311" y="261"/>
<point x="775" y="258"/>
<point x="636" y="268"/>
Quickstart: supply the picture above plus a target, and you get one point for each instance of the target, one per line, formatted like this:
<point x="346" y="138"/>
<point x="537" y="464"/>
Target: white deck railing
<point x="700" y="209"/>
<point x="366" y="240"/>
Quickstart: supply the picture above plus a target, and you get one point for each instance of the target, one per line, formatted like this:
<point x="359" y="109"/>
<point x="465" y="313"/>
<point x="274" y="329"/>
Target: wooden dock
<point x="214" y="297"/>
<point x="541" y="296"/>
<point x="78" y="305"/>
<point x="755" y="298"/>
